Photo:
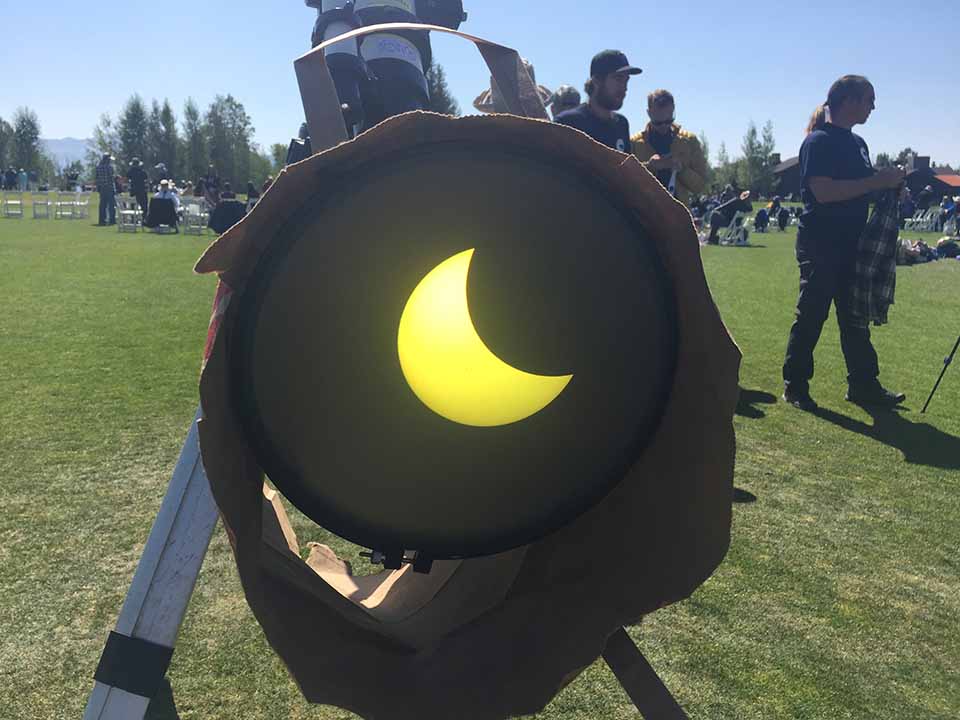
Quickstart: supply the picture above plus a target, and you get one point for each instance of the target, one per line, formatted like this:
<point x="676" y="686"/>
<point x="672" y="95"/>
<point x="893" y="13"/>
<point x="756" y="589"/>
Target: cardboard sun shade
<point x="321" y="274"/>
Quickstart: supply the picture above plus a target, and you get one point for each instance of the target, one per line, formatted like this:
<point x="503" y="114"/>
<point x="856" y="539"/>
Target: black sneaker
<point x="800" y="400"/>
<point x="875" y="395"/>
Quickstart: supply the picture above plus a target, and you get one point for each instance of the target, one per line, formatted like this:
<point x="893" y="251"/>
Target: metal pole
<point x="946" y="363"/>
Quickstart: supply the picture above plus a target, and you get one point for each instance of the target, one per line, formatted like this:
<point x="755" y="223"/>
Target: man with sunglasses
<point x="671" y="153"/>
<point x="606" y="89"/>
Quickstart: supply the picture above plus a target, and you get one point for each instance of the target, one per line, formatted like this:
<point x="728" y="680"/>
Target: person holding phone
<point x="672" y="154"/>
<point x="837" y="180"/>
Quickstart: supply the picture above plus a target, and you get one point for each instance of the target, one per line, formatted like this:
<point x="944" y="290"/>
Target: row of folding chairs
<point x="194" y="215"/>
<point x="46" y="205"/>
<point x="924" y="220"/>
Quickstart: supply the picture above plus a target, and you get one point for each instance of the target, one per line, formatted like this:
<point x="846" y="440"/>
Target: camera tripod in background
<point x="946" y="363"/>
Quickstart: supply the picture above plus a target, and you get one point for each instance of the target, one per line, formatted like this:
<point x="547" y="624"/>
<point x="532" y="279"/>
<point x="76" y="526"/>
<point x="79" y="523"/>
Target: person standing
<point x="23" y="180"/>
<point x="837" y="180"/>
<point x="211" y="180"/>
<point x="671" y="153"/>
<point x="106" y="188"/>
<point x="606" y="90"/>
<point x="138" y="183"/>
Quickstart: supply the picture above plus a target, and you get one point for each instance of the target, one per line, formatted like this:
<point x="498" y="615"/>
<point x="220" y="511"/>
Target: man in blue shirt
<point x="610" y="73"/>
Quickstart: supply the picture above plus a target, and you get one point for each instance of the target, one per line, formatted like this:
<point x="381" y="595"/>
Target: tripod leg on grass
<point x="640" y="680"/>
<point x="138" y="652"/>
<point x="946" y="363"/>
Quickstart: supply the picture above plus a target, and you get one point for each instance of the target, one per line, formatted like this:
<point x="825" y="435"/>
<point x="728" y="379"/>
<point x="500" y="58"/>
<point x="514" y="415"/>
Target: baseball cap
<point x="608" y="62"/>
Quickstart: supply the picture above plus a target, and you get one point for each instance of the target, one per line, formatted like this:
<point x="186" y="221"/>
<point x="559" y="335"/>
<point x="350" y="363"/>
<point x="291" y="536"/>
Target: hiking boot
<point x="875" y="395"/>
<point x="799" y="399"/>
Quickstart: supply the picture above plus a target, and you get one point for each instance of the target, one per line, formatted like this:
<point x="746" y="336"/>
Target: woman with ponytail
<point x="837" y="180"/>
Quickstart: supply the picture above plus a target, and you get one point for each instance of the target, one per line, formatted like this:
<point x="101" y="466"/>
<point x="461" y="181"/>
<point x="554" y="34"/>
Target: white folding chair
<point x="735" y="233"/>
<point x="195" y="216"/>
<point x="129" y="215"/>
<point x="13" y="204"/>
<point x="41" y="205"/>
<point x="82" y="204"/>
<point x="65" y="206"/>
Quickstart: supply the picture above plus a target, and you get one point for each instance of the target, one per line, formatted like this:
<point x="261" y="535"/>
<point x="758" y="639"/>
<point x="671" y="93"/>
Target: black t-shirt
<point x="833" y="228"/>
<point x="138" y="179"/>
<point x="614" y="133"/>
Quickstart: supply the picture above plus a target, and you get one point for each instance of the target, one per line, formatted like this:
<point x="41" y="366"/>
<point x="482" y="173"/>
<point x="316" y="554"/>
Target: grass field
<point x="840" y="597"/>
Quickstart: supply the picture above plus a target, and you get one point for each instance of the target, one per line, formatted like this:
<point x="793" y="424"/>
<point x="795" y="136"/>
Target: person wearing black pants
<point x="837" y="179"/>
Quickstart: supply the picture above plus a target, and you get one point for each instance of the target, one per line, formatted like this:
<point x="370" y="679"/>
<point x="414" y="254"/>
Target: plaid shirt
<point x="105" y="176"/>
<point x="875" y="278"/>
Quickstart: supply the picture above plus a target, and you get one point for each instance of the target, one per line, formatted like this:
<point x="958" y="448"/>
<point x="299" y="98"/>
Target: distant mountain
<point x="66" y="150"/>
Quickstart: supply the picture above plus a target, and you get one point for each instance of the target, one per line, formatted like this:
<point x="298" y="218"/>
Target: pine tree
<point x="6" y="135"/>
<point x="154" y="139"/>
<point x="105" y="141"/>
<point x="194" y="155"/>
<point x="26" y="151"/>
<point x="228" y="133"/>
<point x="441" y="100"/>
<point x="168" y="141"/>
<point x="132" y="132"/>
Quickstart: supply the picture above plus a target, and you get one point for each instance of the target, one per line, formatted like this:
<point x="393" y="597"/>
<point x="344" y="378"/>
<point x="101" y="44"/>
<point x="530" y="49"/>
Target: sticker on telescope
<point x="383" y="46"/>
<point x="345" y="47"/>
<point x="405" y="5"/>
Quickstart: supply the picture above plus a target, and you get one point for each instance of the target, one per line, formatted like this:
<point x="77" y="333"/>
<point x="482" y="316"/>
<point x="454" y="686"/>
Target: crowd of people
<point x="838" y="183"/>
<point x="159" y="185"/>
<point x="13" y="180"/>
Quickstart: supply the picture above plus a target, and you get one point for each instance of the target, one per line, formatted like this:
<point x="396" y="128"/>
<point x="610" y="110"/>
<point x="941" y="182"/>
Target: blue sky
<point x="755" y="61"/>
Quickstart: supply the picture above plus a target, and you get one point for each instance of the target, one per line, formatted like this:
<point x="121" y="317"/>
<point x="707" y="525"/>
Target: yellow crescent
<point x="450" y="368"/>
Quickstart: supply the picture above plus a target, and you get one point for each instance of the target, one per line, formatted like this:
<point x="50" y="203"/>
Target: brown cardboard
<point x="491" y="637"/>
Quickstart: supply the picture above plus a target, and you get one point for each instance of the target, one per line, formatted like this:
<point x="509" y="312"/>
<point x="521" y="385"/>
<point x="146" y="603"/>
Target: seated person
<point x="168" y="193"/>
<point x="228" y="193"/>
<point x="724" y="213"/>
<point x="911" y="253"/>
<point x="774" y="207"/>
<point x="783" y="219"/>
<point x="761" y="221"/>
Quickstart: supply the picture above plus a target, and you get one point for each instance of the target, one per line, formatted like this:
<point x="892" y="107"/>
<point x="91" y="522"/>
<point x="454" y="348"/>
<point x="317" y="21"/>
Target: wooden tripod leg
<point x="137" y="654"/>
<point x="640" y="680"/>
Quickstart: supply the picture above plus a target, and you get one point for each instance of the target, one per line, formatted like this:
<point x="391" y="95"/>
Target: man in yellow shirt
<point x="672" y="154"/>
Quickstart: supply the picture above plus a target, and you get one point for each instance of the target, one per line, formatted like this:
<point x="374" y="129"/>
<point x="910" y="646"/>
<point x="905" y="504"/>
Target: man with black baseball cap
<point x="606" y="89"/>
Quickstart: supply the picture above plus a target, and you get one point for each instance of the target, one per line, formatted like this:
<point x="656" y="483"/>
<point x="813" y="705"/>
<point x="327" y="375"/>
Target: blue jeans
<point x="108" y="206"/>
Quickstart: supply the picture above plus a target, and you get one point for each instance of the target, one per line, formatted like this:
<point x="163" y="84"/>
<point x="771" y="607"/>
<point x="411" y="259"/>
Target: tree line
<point x="221" y="136"/>
<point x="752" y="170"/>
<point x="20" y="145"/>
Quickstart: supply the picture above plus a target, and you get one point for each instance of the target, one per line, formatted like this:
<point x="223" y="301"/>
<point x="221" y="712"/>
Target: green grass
<point x="839" y="599"/>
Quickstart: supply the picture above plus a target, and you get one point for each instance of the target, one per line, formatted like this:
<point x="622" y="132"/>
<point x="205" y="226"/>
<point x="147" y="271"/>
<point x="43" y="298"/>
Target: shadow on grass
<point x="921" y="444"/>
<point x="162" y="707"/>
<point x="749" y="398"/>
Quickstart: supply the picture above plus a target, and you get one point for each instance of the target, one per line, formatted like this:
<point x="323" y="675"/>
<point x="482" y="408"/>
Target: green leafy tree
<point x="105" y="140"/>
<point x="884" y="160"/>
<point x="25" y="148"/>
<point x="132" y="132"/>
<point x="261" y="165"/>
<point x="441" y="100"/>
<point x="168" y="141"/>
<point x="154" y="136"/>
<point x="194" y="143"/>
<point x="709" y="177"/>
<point x="278" y="153"/>
<point x="228" y="133"/>
<point x="750" y="169"/>
<point x="904" y="157"/>
<point x="6" y="136"/>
